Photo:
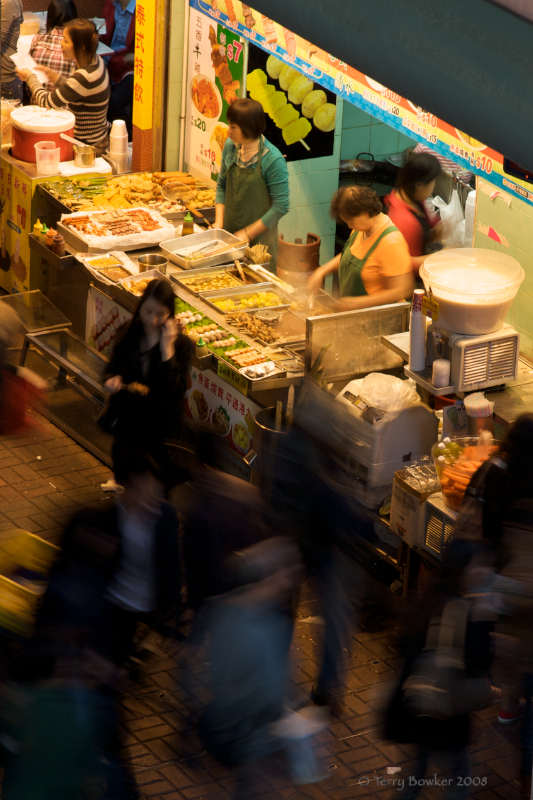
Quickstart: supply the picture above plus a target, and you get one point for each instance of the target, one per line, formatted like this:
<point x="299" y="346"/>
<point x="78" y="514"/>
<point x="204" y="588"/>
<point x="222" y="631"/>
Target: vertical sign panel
<point x="143" y="88"/>
<point x="214" y="81"/>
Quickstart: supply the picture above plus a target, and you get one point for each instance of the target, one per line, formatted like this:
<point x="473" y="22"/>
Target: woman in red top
<point x="405" y="206"/>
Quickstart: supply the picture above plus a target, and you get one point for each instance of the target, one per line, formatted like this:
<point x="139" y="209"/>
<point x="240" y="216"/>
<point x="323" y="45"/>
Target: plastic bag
<point x="451" y="215"/>
<point x="389" y="394"/>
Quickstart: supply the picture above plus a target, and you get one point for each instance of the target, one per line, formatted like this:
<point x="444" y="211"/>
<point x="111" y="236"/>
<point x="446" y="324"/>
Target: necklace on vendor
<point x="249" y="151"/>
<point x="373" y="230"/>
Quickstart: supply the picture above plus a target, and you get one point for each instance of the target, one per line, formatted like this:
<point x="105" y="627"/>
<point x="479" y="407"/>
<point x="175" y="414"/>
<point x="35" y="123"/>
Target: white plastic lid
<point x="472" y="271"/>
<point x="42" y="120"/>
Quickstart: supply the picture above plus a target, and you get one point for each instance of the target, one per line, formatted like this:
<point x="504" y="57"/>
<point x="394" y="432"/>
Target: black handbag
<point x="121" y="410"/>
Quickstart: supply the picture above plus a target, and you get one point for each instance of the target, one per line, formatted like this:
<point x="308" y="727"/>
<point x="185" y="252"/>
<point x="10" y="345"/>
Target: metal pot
<point x="153" y="261"/>
<point x="84" y="155"/>
<point x="265" y="439"/>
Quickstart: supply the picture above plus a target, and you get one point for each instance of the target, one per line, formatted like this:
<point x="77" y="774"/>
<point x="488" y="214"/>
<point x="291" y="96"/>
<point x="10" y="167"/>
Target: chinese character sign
<point x="209" y="399"/>
<point x="214" y="81"/>
<point x="15" y="224"/>
<point x="326" y="72"/>
<point x="143" y="82"/>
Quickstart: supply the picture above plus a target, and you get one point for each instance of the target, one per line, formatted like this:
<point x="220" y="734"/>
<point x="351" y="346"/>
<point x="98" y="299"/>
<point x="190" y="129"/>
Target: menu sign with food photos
<point x="104" y="318"/>
<point x="214" y="82"/>
<point x="211" y="400"/>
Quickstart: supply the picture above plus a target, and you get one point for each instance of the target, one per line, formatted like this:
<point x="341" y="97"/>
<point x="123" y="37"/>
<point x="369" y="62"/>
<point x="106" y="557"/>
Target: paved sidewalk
<point x="45" y="477"/>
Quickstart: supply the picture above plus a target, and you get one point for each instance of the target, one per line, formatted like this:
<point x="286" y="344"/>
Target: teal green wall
<point x="363" y="133"/>
<point x="515" y="223"/>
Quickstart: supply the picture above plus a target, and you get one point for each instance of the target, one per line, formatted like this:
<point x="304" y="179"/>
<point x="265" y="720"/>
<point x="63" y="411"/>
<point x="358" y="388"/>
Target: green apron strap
<point x="390" y="229"/>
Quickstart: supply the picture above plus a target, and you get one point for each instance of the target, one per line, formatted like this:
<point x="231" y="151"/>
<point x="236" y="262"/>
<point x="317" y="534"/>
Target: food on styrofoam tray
<point x="137" y="287"/>
<point x="259" y="371"/>
<point x="115" y="273"/>
<point x="211" y="282"/>
<point x="115" y="222"/>
<point x="99" y="262"/>
<point x="257" y="300"/>
<point x="253" y="326"/>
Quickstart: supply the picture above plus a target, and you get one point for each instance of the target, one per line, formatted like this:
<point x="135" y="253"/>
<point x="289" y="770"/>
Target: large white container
<point x="475" y="288"/>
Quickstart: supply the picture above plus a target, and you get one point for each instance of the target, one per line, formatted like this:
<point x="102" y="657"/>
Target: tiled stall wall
<point x="515" y="223"/>
<point x="313" y="181"/>
<point x="175" y="75"/>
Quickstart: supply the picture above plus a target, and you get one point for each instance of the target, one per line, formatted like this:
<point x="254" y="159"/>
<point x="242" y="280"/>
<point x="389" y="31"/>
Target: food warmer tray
<point x="151" y="273"/>
<point x="287" y="322"/>
<point x="178" y="277"/>
<point x="238" y="293"/>
<point x="169" y="248"/>
<point x="208" y="213"/>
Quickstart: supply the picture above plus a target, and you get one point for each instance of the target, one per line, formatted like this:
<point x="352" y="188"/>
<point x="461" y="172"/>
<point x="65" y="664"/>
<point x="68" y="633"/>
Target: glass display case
<point x="36" y="312"/>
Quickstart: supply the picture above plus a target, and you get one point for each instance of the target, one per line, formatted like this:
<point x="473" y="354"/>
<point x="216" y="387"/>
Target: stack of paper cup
<point x="470" y="208"/>
<point x="118" y="145"/>
<point x="417" y="334"/>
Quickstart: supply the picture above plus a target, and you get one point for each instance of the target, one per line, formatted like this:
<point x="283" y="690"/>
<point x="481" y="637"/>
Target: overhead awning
<point x="469" y="63"/>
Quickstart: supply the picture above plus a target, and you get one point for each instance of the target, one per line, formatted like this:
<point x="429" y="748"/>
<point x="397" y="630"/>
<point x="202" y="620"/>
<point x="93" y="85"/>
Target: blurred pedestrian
<point x="454" y="623"/>
<point x="226" y="515"/>
<point x="146" y="379"/>
<point x="119" y="565"/>
<point x="513" y="525"/>
<point x="301" y="486"/>
<point x="249" y="640"/>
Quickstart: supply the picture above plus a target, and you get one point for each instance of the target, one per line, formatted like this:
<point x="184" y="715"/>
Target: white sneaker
<point x="111" y="486"/>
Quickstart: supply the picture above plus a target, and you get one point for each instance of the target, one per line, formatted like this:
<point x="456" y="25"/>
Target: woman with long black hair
<point x="153" y="353"/>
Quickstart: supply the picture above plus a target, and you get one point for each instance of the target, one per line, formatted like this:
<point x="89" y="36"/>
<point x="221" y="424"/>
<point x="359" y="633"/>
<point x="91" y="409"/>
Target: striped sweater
<point x="85" y="93"/>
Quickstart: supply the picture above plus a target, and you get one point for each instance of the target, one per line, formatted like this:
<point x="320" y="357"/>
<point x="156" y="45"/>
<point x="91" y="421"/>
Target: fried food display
<point x="137" y="287"/>
<point x="210" y="283"/>
<point x="253" y="326"/>
<point x="257" y="300"/>
<point x="116" y="222"/>
<point x="204" y="97"/>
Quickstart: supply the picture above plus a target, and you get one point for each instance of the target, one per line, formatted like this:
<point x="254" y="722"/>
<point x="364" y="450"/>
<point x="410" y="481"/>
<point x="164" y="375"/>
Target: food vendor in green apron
<point x="375" y="265"/>
<point x="253" y="184"/>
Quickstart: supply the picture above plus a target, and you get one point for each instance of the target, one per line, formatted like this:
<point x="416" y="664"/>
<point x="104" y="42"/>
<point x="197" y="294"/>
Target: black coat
<point x="90" y="557"/>
<point x="157" y="416"/>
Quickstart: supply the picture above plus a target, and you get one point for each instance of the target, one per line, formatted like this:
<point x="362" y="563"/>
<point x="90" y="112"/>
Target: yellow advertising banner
<point x="20" y="269"/>
<point x="143" y="88"/>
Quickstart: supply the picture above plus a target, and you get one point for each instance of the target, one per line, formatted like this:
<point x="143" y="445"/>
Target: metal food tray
<point x="151" y="273"/>
<point x="285" y="340"/>
<point x="229" y="294"/>
<point x="208" y="213"/>
<point x="169" y="249"/>
<point x="196" y="273"/>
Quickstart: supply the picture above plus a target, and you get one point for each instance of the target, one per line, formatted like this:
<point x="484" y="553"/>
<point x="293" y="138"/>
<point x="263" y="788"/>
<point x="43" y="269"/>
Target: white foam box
<point x="407" y="516"/>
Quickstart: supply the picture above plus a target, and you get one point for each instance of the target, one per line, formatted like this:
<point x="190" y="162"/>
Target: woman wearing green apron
<point x="375" y="265"/>
<point x="253" y="184"/>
